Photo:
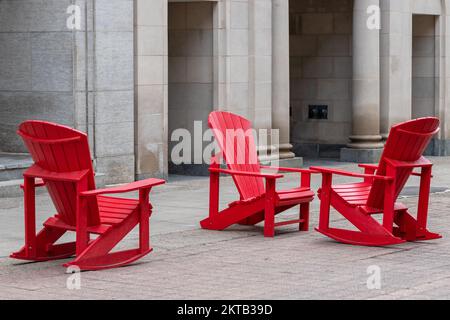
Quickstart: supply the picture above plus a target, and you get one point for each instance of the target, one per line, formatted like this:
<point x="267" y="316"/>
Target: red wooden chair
<point x="378" y="193"/>
<point x="257" y="202"/>
<point x="62" y="160"/>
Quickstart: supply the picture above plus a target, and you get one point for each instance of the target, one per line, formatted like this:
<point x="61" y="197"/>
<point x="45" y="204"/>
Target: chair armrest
<point x="296" y="170"/>
<point x="368" y="166"/>
<point x="143" y="184"/>
<point x="368" y="169"/>
<point x="420" y="163"/>
<point x="37" y="172"/>
<point x="350" y="174"/>
<point x="246" y="173"/>
<point x="38" y="183"/>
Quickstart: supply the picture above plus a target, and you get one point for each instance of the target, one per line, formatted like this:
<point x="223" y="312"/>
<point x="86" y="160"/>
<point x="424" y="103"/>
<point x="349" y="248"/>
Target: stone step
<point x="12" y="165"/>
<point x="11" y="188"/>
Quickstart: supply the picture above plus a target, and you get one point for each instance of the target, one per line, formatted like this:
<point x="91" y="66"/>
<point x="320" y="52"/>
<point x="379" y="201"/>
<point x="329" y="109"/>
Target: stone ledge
<point x="438" y="147"/>
<point x="296" y="162"/>
<point x="318" y="150"/>
<point x="361" y="155"/>
<point x="202" y="169"/>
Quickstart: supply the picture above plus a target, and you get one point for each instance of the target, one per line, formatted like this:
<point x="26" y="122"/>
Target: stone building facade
<point x="134" y="71"/>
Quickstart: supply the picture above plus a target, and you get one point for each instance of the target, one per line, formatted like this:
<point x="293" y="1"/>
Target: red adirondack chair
<point x="257" y="202"/>
<point x="378" y="193"/>
<point x="63" y="164"/>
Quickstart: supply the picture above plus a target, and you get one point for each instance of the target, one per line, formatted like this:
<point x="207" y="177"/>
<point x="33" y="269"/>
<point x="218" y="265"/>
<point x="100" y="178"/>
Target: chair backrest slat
<point x="234" y="137"/>
<point x="57" y="148"/>
<point x="406" y="142"/>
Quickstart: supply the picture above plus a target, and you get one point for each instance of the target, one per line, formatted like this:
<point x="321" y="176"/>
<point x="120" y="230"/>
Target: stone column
<point x="113" y="92"/>
<point x="396" y="63"/>
<point x="365" y="145"/>
<point x="280" y="77"/>
<point x="151" y="88"/>
<point x="442" y="142"/>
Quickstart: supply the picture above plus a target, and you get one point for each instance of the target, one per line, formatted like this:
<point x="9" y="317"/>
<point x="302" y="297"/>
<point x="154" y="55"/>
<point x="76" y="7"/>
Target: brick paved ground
<point x="239" y="263"/>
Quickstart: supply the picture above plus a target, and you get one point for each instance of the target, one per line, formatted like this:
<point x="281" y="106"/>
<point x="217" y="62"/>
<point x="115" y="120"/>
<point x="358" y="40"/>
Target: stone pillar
<point x="151" y="88"/>
<point x="113" y="88"/>
<point x="396" y="63"/>
<point x="442" y="141"/>
<point x="280" y="77"/>
<point x="365" y="145"/>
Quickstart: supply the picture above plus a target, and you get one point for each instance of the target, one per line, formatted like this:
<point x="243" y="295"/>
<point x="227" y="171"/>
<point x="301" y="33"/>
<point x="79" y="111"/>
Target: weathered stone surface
<point x="114" y="140"/>
<point x="114" y="61"/>
<point x="361" y="155"/>
<point x="15" y="62"/>
<point x="52" y="61"/>
<point x="33" y="15"/>
<point x="239" y="254"/>
<point x="114" y="106"/>
<point x="114" y="15"/>
<point x="20" y="106"/>
<point x="115" y="169"/>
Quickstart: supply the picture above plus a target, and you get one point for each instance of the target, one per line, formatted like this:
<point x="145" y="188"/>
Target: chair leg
<point x="424" y="195"/>
<point x="82" y="235"/>
<point x="389" y="201"/>
<point x="144" y="222"/>
<point x="40" y="247"/>
<point x="408" y="226"/>
<point x="325" y="202"/>
<point x="269" y="220"/>
<point x="98" y="253"/>
<point x="45" y="249"/>
<point x="30" y="217"/>
<point x="304" y="215"/>
<point x="269" y="211"/>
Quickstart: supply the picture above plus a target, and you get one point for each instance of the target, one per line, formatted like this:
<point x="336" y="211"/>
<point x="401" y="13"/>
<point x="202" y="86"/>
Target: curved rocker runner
<point x="63" y="164"/>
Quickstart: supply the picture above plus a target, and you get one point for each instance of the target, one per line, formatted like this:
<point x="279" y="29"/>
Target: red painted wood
<point x="63" y="162"/>
<point x="285" y="223"/>
<point x="144" y="220"/>
<point x="138" y="185"/>
<point x="269" y="210"/>
<point x="380" y="189"/>
<point x="407" y="142"/>
<point x="258" y="202"/>
<point x="214" y="178"/>
<point x="236" y="150"/>
<point x="304" y="216"/>
<point x="30" y="217"/>
<point x="236" y="173"/>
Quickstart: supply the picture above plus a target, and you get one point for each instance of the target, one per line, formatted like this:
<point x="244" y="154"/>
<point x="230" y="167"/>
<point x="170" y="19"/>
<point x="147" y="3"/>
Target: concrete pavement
<point x="239" y="263"/>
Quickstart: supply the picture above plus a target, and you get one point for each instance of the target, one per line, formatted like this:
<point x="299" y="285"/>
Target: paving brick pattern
<point x="239" y="263"/>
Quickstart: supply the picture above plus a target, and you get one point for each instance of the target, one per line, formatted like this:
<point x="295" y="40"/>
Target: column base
<point x="296" y="162"/>
<point x="198" y="170"/>
<point x="360" y="155"/>
<point x="282" y="151"/>
<point x="439" y="147"/>
<point x="285" y="151"/>
<point x="366" y="142"/>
